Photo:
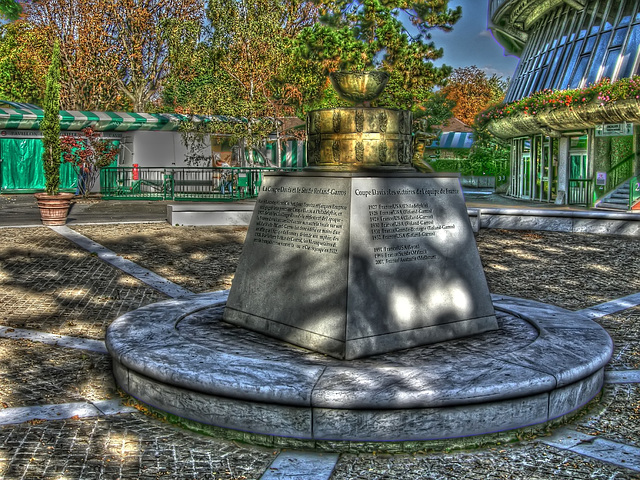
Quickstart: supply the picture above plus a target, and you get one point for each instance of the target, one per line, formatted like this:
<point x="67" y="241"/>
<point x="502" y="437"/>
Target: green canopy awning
<point x="17" y="116"/>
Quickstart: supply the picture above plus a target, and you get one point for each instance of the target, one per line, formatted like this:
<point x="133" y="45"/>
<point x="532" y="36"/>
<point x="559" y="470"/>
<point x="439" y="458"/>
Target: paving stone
<point x="122" y="446"/>
<point x="50" y="284"/>
<point x="531" y="462"/>
<point x="570" y="270"/>
<point x="624" y="329"/>
<point x="33" y="373"/>
<point x="617" y="417"/>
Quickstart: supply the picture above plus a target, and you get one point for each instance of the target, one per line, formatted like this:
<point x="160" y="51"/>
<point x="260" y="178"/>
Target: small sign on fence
<point x="601" y="178"/>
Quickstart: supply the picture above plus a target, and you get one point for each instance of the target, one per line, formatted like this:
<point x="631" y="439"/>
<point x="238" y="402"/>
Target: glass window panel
<point x="607" y="26"/>
<point x="531" y="82"/>
<point x="594" y="29"/>
<point x="630" y="51"/>
<point x="588" y="46"/>
<point x="618" y="37"/>
<point x="603" y="43"/>
<point x="576" y="80"/>
<point x="563" y="40"/>
<point x="554" y="67"/>
<point x="582" y="34"/>
<point x="540" y="80"/>
<point x="610" y="63"/>
<point x="626" y="20"/>
<point x="562" y="68"/>
<point x="598" y="56"/>
<point x="571" y="65"/>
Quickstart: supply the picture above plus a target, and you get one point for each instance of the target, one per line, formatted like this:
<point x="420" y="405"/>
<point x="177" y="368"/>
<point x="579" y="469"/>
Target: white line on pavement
<point x="62" y="411"/>
<point x="147" y="276"/>
<point x="292" y="465"/>
<point x="611" y="307"/>
<point x="622" y="376"/>
<point x="599" y="448"/>
<point x="53" y="339"/>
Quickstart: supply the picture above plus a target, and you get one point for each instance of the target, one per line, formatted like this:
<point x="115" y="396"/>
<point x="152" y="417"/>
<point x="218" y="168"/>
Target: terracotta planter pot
<point x="54" y="208"/>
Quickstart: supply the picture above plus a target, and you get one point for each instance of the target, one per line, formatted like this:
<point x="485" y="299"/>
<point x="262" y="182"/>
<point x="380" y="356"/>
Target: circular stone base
<point x="179" y="357"/>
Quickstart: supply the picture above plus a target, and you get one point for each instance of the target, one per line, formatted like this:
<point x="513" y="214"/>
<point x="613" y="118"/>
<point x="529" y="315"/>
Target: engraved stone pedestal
<point x="356" y="264"/>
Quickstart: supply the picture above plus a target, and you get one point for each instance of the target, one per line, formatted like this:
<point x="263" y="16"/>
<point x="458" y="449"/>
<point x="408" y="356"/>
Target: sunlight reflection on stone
<point x="402" y="301"/>
<point x="123" y="447"/>
<point x="452" y="293"/>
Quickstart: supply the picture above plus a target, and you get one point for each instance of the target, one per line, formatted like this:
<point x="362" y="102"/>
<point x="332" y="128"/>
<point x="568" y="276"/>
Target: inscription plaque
<point x="352" y="264"/>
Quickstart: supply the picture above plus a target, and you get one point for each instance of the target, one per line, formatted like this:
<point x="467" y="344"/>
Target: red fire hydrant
<point x="135" y="172"/>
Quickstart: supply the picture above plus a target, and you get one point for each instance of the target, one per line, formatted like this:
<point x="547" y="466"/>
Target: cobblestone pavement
<point x="50" y="285"/>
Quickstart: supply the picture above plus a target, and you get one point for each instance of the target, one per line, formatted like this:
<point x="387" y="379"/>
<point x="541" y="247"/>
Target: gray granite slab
<point x="147" y="276"/>
<point x="606" y="227"/>
<point x="62" y="411"/>
<point x="221" y="411"/>
<point x="453" y="383"/>
<point x="180" y="349"/>
<point x="53" y="339"/>
<point x="367" y="264"/>
<point x="217" y="368"/>
<point x="571" y="397"/>
<point x="614" y="306"/>
<point x="200" y="214"/>
<point x="522" y="222"/>
<point x="428" y="424"/>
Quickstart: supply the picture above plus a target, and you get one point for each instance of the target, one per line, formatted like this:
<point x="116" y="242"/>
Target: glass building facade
<point x="572" y="49"/>
<point x="567" y="44"/>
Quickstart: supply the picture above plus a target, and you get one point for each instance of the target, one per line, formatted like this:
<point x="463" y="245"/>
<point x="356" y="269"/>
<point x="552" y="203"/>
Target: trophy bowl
<point x="359" y="87"/>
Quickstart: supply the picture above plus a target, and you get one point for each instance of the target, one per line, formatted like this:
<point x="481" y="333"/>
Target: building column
<point x="564" y="166"/>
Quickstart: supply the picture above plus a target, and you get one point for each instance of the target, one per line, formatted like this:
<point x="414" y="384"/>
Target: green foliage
<point x="10" y="9"/>
<point x="24" y="55"/>
<point x="244" y="68"/>
<point x="50" y="125"/>
<point x="602" y="92"/>
<point x="365" y="34"/>
<point x="486" y="166"/>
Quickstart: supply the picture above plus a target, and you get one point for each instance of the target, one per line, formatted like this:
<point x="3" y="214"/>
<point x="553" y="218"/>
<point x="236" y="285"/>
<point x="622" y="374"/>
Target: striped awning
<point x="30" y="118"/>
<point x="453" y="140"/>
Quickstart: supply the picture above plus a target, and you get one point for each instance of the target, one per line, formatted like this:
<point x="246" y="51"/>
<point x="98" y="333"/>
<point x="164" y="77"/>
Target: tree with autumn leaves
<point x="115" y="53"/>
<point x="473" y="91"/>
<point x="256" y="59"/>
<point x="244" y="68"/>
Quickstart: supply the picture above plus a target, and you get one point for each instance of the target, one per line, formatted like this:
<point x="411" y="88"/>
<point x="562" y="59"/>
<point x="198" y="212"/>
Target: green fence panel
<point x="21" y="167"/>
<point x="21" y="164"/>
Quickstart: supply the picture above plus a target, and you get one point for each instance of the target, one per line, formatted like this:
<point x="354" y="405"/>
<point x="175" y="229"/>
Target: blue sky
<point x="470" y="43"/>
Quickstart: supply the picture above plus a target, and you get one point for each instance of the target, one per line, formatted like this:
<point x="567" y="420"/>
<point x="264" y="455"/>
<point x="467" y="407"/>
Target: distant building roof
<point x="28" y="117"/>
<point x="453" y="125"/>
<point x="7" y="103"/>
<point x="453" y="140"/>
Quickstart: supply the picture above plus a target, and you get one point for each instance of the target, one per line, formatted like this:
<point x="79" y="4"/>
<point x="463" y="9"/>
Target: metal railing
<point x="634" y="191"/>
<point x="183" y="183"/>
<point x="619" y="173"/>
<point x="580" y="191"/>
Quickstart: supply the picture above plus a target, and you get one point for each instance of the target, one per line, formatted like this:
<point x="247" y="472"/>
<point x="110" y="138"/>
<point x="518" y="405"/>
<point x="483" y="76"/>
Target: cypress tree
<point x="50" y="125"/>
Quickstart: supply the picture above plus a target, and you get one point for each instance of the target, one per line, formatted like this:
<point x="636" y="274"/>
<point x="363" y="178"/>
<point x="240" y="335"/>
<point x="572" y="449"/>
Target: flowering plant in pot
<point x="88" y="154"/>
<point x="54" y="206"/>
